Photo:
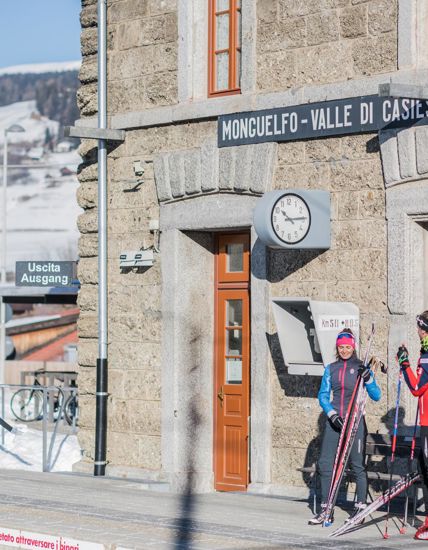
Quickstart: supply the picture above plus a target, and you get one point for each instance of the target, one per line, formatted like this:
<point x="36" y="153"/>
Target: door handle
<point x="220" y="395"/>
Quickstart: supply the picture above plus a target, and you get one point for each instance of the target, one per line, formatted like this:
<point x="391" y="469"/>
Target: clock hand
<point x="287" y="217"/>
<point x="301" y="218"/>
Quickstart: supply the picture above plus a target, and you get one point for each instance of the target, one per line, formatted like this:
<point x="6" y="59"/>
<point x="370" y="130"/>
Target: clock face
<point x="291" y="218"/>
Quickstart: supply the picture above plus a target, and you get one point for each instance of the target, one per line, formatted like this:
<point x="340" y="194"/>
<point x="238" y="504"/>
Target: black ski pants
<point x="356" y="460"/>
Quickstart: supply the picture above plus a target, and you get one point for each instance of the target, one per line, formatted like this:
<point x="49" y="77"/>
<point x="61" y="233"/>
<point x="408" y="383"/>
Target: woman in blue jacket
<point x="337" y="387"/>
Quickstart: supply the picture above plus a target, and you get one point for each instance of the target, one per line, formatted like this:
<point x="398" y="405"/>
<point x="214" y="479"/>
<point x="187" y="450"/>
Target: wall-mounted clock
<point x="294" y="218"/>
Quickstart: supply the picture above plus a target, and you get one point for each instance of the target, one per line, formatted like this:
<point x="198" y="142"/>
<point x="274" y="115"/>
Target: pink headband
<point x="345" y="339"/>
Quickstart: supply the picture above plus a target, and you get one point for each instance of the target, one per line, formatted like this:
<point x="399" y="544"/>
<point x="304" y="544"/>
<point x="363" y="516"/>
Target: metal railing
<point x="53" y="413"/>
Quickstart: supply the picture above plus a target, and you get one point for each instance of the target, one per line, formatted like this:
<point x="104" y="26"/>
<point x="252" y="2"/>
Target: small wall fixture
<point x="138" y="258"/>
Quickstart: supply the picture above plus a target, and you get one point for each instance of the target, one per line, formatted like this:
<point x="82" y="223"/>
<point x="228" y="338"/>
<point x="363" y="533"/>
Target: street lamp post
<point x="3" y="269"/>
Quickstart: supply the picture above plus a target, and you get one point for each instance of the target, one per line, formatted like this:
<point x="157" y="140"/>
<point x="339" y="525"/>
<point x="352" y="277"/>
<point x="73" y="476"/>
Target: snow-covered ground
<point x="39" y="68"/>
<point x="42" y="208"/>
<point x="24" y="450"/>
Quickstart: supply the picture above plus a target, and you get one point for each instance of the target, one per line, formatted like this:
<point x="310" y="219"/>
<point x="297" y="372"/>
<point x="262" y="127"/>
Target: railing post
<point x="45" y="429"/>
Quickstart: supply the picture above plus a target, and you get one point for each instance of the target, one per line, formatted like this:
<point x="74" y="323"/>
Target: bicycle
<point x="27" y="404"/>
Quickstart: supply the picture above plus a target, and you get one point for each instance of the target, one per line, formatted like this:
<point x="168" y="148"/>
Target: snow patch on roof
<point x="40" y="68"/>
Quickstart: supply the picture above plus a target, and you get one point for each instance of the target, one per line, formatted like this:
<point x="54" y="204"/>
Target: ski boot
<point x="320" y="518"/>
<point x="422" y="532"/>
<point x="359" y="506"/>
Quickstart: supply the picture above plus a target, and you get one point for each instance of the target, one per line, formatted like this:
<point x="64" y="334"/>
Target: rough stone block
<point x="88" y="16"/>
<point x="406" y="142"/>
<point x="88" y="245"/>
<point x="375" y="55"/>
<point x="87" y="100"/>
<point x="209" y="167"/>
<point x="139" y="355"/>
<point x="314" y="175"/>
<point x="192" y="171"/>
<point x="161" y="169"/>
<point x="324" y="63"/>
<point x="87" y="270"/>
<point x="89" y="41"/>
<point x="243" y="161"/>
<point x="87" y="325"/>
<point x="389" y="155"/>
<point x="421" y="149"/>
<point x="382" y="16"/>
<point x="88" y="69"/>
<point x="88" y="222"/>
<point x="267" y="11"/>
<point x="88" y="298"/>
<point x="353" y="21"/>
<point x="291" y="152"/>
<point x="323" y="150"/>
<point x="87" y="352"/>
<point x="227" y="159"/>
<point x="87" y="375"/>
<point x="161" y="89"/>
<point x="347" y="205"/>
<point x="87" y="195"/>
<point x="262" y="166"/>
<point x="123" y="449"/>
<point x="282" y="35"/>
<point x="372" y="204"/>
<point x="126" y="10"/>
<point x="124" y="300"/>
<point x="322" y="27"/>
<point x="133" y="328"/>
<point x="176" y="174"/>
<point x="143" y="385"/>
<point x="156" y="7"/>
<point x="355" y="175"/>
<point x="149" y="455"/>
<point x="276" y="72"/>
<point x="148" y="421"/>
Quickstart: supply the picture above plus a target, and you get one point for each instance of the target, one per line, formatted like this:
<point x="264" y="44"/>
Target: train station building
<point x="215" y="351"/>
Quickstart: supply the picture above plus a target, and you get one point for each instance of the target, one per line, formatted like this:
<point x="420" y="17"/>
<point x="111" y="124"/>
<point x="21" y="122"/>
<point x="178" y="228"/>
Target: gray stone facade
<point x="160" y="342"/>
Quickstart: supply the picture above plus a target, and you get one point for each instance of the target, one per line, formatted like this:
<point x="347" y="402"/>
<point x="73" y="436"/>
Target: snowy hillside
<point x="26" y="115"/>
<point x="39" y="68"/>
<point x="41" y="196"/>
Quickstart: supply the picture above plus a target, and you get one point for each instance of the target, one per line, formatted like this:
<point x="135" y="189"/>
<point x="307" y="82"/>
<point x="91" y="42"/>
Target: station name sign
<point x="45" y="273"/>
<point x="315" y="120"/>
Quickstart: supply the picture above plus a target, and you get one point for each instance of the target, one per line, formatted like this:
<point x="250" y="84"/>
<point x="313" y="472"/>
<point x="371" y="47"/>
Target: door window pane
<point x="234" y="313"/>
<point x="222" y="32"/>
<point x="234" y="257"/>
<point x="233" y="371"/>
<point x="222" y="5"/>
<point x="234" y="342"/>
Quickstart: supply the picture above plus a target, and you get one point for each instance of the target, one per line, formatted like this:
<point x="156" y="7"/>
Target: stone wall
<point x="354" y="269"/>
<point x="141" y="55"/>
<point x="321" y="41"/>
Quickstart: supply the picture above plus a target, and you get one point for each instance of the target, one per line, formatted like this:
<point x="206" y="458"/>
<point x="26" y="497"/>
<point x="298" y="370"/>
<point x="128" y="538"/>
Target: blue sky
<point x="39" y="31"/>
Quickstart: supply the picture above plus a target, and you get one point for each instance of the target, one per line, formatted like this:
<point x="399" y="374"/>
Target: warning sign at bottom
<point x="15" y="538"/>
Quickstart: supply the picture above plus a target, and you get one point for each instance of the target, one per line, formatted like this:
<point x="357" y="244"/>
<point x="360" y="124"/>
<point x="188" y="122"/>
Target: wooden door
<point x="232" y="363"/>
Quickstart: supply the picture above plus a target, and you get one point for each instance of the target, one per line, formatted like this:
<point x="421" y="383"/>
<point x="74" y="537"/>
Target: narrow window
<point x="224" y="36"/>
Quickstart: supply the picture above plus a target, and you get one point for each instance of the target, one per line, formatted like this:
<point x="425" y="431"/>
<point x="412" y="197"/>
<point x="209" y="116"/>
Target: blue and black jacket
<point x="340" y="379"/>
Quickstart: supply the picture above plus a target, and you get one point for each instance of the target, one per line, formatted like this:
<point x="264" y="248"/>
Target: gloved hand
<point x="403" y="358"/>
<point x="336" y="421"/>
<point x="364" y="372"/>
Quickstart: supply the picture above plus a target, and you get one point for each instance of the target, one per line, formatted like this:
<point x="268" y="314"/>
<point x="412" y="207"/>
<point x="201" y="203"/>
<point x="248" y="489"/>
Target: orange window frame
<point x="234" y="12"/>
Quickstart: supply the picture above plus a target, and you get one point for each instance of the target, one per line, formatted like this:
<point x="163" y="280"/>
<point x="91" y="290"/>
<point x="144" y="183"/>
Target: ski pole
<point x="394" y="442"/>
<point x="356" y="406"/>
<point x="412" y="454"/>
